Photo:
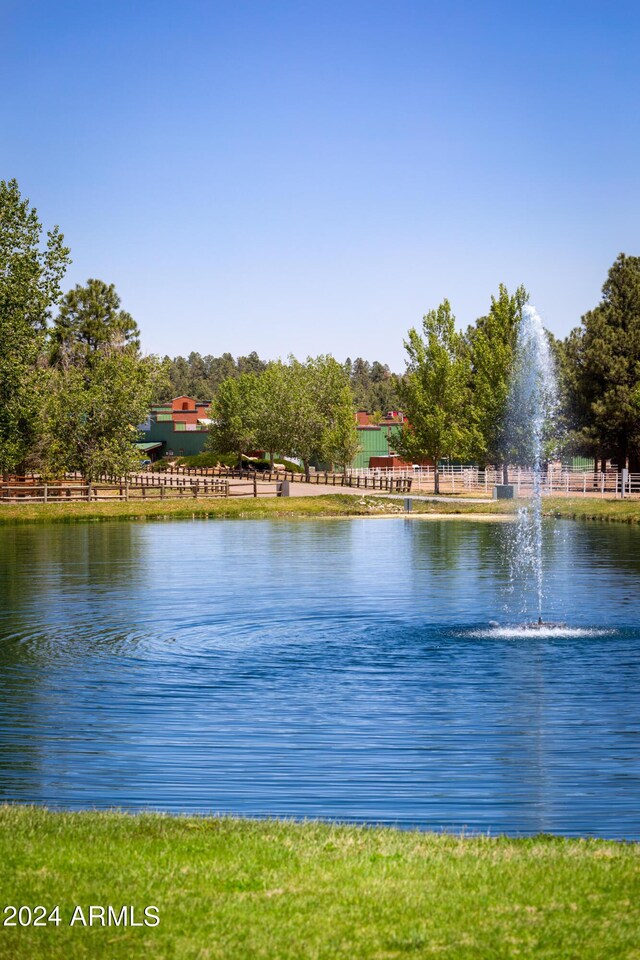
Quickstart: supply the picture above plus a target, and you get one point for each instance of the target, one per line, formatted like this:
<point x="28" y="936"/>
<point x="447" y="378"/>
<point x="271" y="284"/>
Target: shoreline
<point x="323" y="506"/>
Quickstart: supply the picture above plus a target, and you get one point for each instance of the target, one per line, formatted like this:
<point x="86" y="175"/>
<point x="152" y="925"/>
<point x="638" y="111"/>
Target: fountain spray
<point x="532" y="401"/>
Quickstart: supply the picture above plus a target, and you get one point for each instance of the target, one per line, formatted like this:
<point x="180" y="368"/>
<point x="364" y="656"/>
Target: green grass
<point x="583" y="508"/>
<point x="251" y="890"/>
<point x="338" y="505"/>
<point x="221" y="508"/>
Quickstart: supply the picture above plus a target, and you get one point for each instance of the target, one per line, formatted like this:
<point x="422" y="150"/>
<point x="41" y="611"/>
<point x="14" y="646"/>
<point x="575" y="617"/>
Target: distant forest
<point x="373" y="384"/>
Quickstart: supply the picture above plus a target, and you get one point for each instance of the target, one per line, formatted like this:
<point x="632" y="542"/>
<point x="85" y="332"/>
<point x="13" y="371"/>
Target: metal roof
<point x="148" y="446"/>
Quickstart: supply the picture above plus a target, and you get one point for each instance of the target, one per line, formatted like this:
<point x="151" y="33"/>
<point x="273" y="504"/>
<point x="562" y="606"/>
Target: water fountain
<point x="530" y="410"/>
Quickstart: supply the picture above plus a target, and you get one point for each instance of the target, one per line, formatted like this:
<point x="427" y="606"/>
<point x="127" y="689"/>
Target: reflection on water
<point x="340" y="669"/>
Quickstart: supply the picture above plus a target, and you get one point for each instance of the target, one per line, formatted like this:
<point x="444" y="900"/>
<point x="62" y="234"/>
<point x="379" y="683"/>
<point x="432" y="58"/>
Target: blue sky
<point x="311" y="177"/>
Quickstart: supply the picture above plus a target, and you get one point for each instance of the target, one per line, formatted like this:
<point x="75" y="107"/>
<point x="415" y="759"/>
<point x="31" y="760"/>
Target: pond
<point x="339" y="669"/>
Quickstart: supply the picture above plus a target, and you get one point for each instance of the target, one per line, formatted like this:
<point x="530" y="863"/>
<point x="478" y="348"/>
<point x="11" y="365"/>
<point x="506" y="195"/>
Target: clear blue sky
<point x="307" y="177"/>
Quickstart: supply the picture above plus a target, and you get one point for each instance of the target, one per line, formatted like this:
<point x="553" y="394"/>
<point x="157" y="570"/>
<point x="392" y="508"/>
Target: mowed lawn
<point x="243" y="889"/>
<point x="330" y="505"/>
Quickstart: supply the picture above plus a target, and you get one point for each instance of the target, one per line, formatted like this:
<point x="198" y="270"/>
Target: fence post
<point x="45" y="494"/>
<point x="255" y="485"/>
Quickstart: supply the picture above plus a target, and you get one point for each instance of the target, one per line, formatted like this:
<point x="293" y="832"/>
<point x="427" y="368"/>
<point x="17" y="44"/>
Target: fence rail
<point x="224" y="482"/>
<point x="214" y="483"/>
<point x="105" y="492"/>
<point x="555" y="481"/>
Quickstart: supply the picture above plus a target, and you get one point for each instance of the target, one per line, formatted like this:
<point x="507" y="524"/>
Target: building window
<point x="185" y="405"/>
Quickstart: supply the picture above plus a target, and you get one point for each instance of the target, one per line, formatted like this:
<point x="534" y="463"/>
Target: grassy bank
<point x="338" y="505"/>
<point x="583" y="508"/>
<point x="237" y="889"/>
<point x="240" y="508"/>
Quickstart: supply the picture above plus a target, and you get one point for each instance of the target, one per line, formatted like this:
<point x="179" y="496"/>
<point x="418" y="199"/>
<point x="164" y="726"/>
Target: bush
<point x="160" y="465"/>
<point x="208" y="459"/>
<point x="290" y="466"/>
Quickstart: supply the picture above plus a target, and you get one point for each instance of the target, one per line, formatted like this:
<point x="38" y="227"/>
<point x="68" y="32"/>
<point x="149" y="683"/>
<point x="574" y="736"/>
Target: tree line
<point x="74" y="383"/>
<point x="456" y="389"/>
<point x="373" y="384"/>
<point x="299" y="409"/>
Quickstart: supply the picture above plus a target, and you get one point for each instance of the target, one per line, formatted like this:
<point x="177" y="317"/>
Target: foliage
<point x="601" y="366"/>
<point x="89" y="322"/>
<point x="90" y="415"/>
<point x="373" y="385"/>
<point x="274" y="412"/>
<point x="435" y="392"/>
<point x="288" y="465"/>
<point x="492" y="343"/>
<point x="234" y="416"/>
<point x="341" y="440"/>
<point x="316" y="392"/>
<point x="200" y="377"/>
<point x="30" y="275"/>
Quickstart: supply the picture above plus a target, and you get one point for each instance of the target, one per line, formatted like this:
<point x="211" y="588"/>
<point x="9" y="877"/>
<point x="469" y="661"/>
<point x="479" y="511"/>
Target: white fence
<point x="556" y="481"/>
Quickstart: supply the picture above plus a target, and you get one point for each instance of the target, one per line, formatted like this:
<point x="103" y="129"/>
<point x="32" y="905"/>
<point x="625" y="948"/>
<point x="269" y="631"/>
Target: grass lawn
<point x="244" y="889"/>
<point x="245" y="508"/>
<point x="332" y="505"/>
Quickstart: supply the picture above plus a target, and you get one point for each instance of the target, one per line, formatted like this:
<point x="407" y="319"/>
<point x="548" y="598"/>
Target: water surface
<point x="340" y="669"/>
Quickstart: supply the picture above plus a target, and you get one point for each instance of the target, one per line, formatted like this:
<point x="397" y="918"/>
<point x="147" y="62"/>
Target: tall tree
<point x="234" y="427"/>
<point x="602" y="365"/>
<point x="274" y="410"/>
<point x="341" y="441"/>
<point x="89" y="321"/>
<point x="435" y="392"/>
<point x="30" y="275"/>
<point x="316" y="389"/>
<point x="91" y="413"/>
<point x="492" y="343"/>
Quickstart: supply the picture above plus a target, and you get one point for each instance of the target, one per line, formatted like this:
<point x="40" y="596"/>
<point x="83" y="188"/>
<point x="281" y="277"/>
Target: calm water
<point x="338" y="669"/>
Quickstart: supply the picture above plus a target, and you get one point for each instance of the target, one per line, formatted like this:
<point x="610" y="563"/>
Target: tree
<point x="90" y="417"/>
<point x="274" y="411"/>
<point x="98" y="388"/>
<point x="89" y="321"/>
<point x="601" y="362"/>
<point x="341" y="440"/>
<point x="492" y="342"/>
<point x="435" y="392"/>
<point x="30" y="275"/>
<point x="373" y="385"/>
<point x="315" y="393"/>
<point x="235" y="408"/>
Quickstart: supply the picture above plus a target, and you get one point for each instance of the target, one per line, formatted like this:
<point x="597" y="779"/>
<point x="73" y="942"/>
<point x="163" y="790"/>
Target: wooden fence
<point x="170" y="485"/>
<point x="108" y="492"/>
<point x="389" y="483"/>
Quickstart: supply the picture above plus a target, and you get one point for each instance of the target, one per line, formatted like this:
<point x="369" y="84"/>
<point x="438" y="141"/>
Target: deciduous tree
<point x="316" y="390"/>
<point x="235" y="416"/>
<point x="341" y="441"/>
<point x="30" y="275"/>
<point x="492" y="343"/>
<point x="91" y="413"/>
<point x="435" y="392"/>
